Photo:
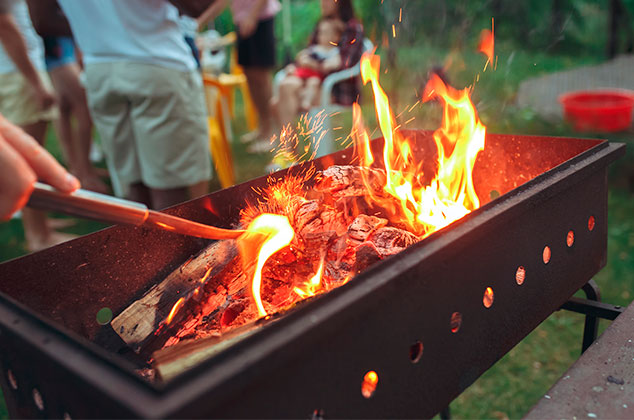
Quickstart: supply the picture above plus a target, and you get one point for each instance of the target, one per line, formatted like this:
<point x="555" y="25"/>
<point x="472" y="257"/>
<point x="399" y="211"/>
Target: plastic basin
<point x="599" y="111"/>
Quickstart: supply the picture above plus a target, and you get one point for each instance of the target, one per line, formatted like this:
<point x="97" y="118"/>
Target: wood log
<point x="141" y="319"/>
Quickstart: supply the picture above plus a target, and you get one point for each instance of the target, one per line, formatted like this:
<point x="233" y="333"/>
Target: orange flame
<point x="487" y="44"/>
<point x="175" y="308"/>
<point x="266" y="234"/>
<point x="313" y="285"/>
<point x="450" y="195"/>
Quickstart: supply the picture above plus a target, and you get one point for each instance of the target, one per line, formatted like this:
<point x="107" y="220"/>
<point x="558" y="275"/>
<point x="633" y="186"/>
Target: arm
<point x="193" y="8"/>
<point x="48" y="18"/>
<point x="212" y="12"/>
<point x="16" y="48"/>
<point x="22" y="162"/>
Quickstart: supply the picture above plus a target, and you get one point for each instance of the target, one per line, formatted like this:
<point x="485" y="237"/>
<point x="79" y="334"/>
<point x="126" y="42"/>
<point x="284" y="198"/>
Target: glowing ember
<point x="266" y="234"/>
<point x="450" y="195"/>
<point x="368" y="386"/>
<point x="313" y="285"/>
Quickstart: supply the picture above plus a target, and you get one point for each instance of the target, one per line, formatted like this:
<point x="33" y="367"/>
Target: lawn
<point x="518" y="380"/>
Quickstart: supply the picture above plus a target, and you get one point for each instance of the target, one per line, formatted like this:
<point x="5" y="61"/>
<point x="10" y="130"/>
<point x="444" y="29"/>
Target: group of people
<point x="142" y="88"/>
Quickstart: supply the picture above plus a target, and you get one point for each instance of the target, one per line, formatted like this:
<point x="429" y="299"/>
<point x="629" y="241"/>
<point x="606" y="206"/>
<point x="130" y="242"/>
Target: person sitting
<point x="323" y="57"/>
<point x="288" y="102"/>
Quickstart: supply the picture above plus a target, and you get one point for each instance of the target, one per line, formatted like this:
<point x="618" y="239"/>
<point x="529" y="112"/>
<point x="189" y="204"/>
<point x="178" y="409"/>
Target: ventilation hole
<point x="487" y="300"/>
<point x="67" y="416"/>
<point x="368" y="386"/>
<point x="546" y="254"/>
<point x="12" y="381"/>
<point x="520" y="275"/>
<point x="415" y="352"/>
<point x="456" y="321"/>
<point x="37" y="399"/>
<point x="494" y="194"/>
<point x="104" y="316"/>
<point x="591" y="223"/>
<point x="570" y="238"/>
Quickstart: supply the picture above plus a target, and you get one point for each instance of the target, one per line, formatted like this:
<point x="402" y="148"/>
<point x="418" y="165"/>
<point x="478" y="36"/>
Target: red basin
<point x="599" y="111"/>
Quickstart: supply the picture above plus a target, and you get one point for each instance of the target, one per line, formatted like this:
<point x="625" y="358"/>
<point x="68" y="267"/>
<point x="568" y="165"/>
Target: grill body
<point x="313" y="359"/>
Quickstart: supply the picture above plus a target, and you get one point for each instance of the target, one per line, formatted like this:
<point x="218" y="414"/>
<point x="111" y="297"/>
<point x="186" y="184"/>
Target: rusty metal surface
<point x="600" y="384"/>
<point x="315" y="357"/>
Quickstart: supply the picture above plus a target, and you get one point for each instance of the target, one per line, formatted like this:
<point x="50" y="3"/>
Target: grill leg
<point x="445" y="414"/>
<point x="591" y="327"/>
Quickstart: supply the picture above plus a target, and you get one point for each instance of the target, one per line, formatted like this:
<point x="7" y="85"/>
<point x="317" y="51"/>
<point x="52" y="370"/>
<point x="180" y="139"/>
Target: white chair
<point x="326" y="105"/>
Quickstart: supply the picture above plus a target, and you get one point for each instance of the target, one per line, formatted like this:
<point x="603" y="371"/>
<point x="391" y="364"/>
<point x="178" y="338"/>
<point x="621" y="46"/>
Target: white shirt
<point x="34" y="45"/>
<point x="142" y="31"/>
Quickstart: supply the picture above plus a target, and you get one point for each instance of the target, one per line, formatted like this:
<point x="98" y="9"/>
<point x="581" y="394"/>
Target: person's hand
<point x="22" y="162"/>
<point x="304" y="60"/>
<point x="248" y="26"/>
<point x="44" y="97"/>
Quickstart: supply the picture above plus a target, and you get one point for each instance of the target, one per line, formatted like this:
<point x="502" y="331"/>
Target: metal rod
<point x="105" y="208"/>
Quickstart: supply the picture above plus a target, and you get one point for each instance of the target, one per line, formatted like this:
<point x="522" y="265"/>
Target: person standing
<point x="63" y="68"/>
<point x="26" y="100"/>
<point x="256" y="54"/>
<point x="145" y="96"/>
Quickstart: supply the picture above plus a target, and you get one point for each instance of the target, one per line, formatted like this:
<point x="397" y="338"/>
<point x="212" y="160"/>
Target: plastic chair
<point x="326" y="104"/>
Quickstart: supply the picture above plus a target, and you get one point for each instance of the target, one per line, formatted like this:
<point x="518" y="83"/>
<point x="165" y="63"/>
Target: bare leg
<point x="310" y="93"/>
<point x="37" y="233"/>
<point x="260" y="84"/>
<point x="77" y="142"/>
<point x="288" y="106"/>
<point x="198" y="190"/>
<point x="139" y="192"/>
<point x="162" y="198"/>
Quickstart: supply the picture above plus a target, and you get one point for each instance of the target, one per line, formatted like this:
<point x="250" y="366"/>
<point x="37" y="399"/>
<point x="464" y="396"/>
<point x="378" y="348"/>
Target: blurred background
<point x="543" y="48"/>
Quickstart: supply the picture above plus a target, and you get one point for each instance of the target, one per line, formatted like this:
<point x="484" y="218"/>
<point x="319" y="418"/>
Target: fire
<point x="313" y="285"/>
<point x="450" y="195"/>
<point x="266" y="234"/>
<point x="175" y="308"/>
<point x="487" y="44"/>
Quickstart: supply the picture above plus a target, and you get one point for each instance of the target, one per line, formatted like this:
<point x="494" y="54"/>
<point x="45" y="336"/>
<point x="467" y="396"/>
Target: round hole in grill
<point x="520" y="275"/>
<point x="494" y="194"/>
<point x="37" y="399"/>
<point x="456" y="321"/>
<point x="570" y="238"/>
<point x="104" y="316"/>
<point x="591" y="223"/>
<point x="415" y="351"/>
<point x="487" y="300"/>
<point x="368" y="386"/>
<point x="546" y="254"/>
<point x="12" y="381"/>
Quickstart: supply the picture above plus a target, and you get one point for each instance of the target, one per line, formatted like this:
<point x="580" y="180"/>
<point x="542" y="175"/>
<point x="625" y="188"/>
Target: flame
<point x="266" y="234"/>
<point x="450" y="194"/>
<point x="175" y="308"/>
<point x="312" y="286"/>
<point x="487" y="44"/>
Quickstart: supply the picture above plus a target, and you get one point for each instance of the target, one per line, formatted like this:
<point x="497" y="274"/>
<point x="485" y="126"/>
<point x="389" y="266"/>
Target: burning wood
<point x="310" y="234"/>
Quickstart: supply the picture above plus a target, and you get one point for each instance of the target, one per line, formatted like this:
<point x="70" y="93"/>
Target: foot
<point x="54" y="238"/>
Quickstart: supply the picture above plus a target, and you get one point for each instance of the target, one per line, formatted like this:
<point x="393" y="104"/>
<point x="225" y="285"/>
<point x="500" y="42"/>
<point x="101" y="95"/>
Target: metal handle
<point x="89" y="204"/>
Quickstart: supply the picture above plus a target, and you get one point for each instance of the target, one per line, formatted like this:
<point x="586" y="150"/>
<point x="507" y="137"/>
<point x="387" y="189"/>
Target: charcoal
<point x="363" y="226"/>
<point x="348" y="181"/>
<point x="390" y="240"/>
<point x="366" y="254"/>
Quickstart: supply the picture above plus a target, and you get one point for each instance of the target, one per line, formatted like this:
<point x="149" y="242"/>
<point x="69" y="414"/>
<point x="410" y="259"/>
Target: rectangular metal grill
<point x="57" y="361"/>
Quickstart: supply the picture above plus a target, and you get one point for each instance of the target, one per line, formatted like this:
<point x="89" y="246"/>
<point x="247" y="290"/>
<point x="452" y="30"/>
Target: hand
<point x="44" y="97"/>
<point x="22" y="162"/>
<point x="248" y="26"/>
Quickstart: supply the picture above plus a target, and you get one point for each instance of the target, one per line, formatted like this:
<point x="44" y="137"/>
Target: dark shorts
<point x="58" y="51"/>
<point x="258" y="50"/>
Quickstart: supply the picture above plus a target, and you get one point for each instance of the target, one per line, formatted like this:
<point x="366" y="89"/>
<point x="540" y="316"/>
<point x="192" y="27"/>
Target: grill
<point x="427" y="321"/>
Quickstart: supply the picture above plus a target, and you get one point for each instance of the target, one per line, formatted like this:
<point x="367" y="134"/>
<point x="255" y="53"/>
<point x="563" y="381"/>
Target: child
<point x="319" y="59"/>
